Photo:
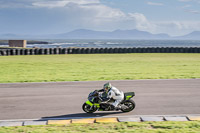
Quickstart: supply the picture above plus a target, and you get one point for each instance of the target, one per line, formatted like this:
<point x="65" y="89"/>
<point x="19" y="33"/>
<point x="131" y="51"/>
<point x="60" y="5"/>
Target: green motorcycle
<point x="95" y="102"/>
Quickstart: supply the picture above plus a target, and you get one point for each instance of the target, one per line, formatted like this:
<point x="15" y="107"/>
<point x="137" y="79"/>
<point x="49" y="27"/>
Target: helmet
<point x="107" y="86"/>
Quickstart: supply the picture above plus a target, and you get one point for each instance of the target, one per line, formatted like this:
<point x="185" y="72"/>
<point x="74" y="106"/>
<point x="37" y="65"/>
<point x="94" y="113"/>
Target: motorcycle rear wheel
<point x="130" y="105"/>
<point x="88" y="109"/>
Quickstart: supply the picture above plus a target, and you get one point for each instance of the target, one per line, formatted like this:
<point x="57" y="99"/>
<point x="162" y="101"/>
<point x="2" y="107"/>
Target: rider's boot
<point x="118" y="108"/>
<point x="111" y="107"/>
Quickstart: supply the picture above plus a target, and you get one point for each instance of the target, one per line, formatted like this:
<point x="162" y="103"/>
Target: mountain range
<point x="117" y="34"/>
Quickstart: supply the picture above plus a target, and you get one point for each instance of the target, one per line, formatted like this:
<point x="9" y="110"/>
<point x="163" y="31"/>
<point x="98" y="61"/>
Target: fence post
<point x="185" y="49"/>
<point x="181" y="50"/>
<point x="32" y="52"/>
<point x="17" y="51"/>
<point x="96" y="50"/>
<point x="162" y="50"/>
<point x="59" y="50"/>
<point x="69" y="51"/>
<point x="92" y="50"/>
<point x="105" y="50"/>
<point x="143" y="50"/>
<point x="54" y="51"/>
<point x="133" y="50"/>
<point x="13" y="52"/>
<point x="73" y="51"/>
<point x="115" y="50"/>
<point x="110" y="50"/>
<point x="3" y="53"/>
<point x="64" y="50"/>
<point x="167" y="50"/>
<point x="129" y="50"/>
<point x="26" y="52"/>
<point x="101" y="50"/>
<point x="51" y="51"/>
<point x="8" y="52"/>
<point x="198" y="50"/>
<point x="77" y="51"/>
<point x="159" y="50"/>
<point x="139" y="50"/>
<point x="22" y="52"/>
<point x="36" y="51"/>
<point x="46" y="51"/>
<point x="82" y="50"/>
<point x="41" y="51"/>
<point x="86" y="50"/>
<point x="171" y="49"/>
<point x="195" y="50"/>
<point x="121" y="50"/>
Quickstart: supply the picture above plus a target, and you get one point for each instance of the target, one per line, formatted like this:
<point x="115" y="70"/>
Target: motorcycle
<point x="96" y="101"/>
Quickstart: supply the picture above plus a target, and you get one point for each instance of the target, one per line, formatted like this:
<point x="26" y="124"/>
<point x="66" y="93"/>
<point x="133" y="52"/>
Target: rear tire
<point x="130" y="105"/>
<point x="87" y="108"/>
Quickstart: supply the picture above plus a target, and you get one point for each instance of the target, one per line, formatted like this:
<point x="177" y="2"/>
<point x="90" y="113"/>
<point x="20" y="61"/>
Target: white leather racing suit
<point x="116" y="94"/>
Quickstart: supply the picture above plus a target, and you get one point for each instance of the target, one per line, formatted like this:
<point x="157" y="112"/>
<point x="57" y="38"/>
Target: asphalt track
<point x="65" y="99"/>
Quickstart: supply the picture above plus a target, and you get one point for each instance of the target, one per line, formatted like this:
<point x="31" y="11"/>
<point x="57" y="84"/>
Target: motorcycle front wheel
<point x="88" y="109"/>
<point x="128" y="106"/>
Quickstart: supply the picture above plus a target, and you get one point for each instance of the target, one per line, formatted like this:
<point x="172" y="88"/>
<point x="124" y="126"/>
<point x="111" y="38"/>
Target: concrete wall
<point x="17" y="43"/>
<point x="47" y="51"/>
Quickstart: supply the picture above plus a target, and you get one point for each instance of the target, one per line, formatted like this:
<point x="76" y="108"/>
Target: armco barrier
<point x="47" y="51"/>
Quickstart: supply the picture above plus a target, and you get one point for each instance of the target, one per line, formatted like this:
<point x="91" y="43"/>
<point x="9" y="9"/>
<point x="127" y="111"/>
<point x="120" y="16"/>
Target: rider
<point x="113" y="92"/>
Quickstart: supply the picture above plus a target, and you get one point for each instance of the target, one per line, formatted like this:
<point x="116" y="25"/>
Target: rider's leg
<point x="118" y="99"/>
<point x="116" y="103"/>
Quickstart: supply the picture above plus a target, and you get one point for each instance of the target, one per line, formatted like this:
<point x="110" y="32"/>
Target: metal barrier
<point x="49" y="51"/>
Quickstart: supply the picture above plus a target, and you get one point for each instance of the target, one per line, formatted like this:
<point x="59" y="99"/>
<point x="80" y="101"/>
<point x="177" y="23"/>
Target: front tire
<point x="88" y="109"/>
<point x="128" y="106"/>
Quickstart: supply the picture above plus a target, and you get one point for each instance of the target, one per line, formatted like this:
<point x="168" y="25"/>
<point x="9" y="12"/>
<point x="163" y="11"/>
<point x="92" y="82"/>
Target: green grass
<point x="90" y="67"/>
<point x="122" y="127"/>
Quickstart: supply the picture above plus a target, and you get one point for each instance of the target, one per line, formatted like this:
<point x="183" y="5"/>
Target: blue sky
<point x="174" y="17"/>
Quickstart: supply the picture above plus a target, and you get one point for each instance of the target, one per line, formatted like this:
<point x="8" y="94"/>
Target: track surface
<point x="65" y="99"/>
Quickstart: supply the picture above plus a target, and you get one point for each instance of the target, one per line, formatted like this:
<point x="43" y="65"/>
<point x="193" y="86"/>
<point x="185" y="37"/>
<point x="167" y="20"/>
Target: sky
<point x="38" y="17"/>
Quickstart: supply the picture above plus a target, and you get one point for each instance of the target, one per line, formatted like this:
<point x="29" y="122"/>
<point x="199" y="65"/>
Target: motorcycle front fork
<point x="91" y="107"/>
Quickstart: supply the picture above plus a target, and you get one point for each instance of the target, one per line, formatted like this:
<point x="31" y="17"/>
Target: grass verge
<point x="90" y="67"/>
<point x="122" y="127"/>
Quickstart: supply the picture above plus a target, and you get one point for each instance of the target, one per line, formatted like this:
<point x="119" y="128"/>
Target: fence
<point x="49" y="51"/>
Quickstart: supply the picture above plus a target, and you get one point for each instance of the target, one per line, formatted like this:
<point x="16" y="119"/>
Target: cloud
<point x="59" y="16"/>
<point x="184" y="0"/>
<point x="100" y="17"/>
<point x="63" y="3"/>
<point x="155" y="4"/>
<point x="198" y="1"/>
<point x="175" y="28"/>
<point x="193" y="11"/>
<point x="75" y="14"/>
<point x="140" y="21"/>
<point x="42" y="3"/>
<point x="50" y="4"/>
<point x="14" y="4"/>
<point x="187" y="6"/>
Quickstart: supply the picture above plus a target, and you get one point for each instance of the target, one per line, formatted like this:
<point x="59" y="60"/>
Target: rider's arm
<point x="110" y="94"/>
<point x="102" y="90"/>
